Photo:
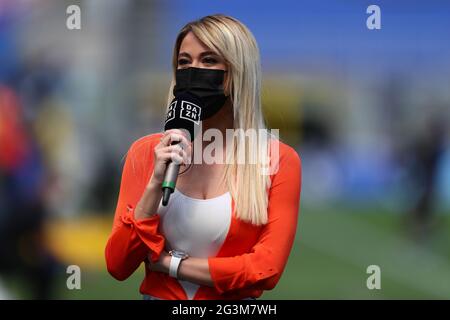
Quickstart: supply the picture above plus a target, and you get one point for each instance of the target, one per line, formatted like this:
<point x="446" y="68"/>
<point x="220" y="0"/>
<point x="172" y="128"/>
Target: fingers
<point x="175" y="153"/>
<point x="175" y="135"/>
<point x="176" y="149"/>
<point x="179" y="153"/>
<point x="166" y="157"/>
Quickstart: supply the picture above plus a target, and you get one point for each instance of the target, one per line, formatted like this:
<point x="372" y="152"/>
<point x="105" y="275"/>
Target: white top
<point x="196" y="226"/>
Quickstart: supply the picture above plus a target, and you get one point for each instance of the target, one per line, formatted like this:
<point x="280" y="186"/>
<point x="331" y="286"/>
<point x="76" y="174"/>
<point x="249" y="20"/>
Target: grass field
<point x="333" y="248"/>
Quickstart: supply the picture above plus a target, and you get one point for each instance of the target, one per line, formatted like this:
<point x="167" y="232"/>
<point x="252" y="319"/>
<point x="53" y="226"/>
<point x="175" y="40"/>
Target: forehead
<point x="192" y="45"/>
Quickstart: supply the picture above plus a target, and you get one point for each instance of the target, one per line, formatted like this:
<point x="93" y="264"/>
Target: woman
<point x="229" y="227"/>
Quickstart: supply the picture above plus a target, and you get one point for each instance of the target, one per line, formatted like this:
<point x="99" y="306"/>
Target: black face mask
<point x="204" y="84"/>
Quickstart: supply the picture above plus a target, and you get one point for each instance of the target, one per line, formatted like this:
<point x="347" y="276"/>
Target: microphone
<point x="183" y="113"/>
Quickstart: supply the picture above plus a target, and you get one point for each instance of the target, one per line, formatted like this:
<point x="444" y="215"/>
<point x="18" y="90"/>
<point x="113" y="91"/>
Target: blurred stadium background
<point x="368" y="111"/>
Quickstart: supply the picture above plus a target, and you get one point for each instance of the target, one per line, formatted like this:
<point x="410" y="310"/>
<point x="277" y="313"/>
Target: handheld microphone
<point x="183" y="113"/>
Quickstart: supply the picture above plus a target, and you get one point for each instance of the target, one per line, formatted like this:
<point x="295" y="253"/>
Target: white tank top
<point x="196" y="226"/>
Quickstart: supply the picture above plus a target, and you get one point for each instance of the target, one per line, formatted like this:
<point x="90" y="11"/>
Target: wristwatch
<point x="177" y="256"/>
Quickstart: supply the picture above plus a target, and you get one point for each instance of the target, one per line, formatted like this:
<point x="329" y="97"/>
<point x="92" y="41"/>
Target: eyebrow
<point x="203" y="54"/>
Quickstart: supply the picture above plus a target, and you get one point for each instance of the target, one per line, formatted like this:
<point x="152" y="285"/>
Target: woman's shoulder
<point x="284" y="159"/>
<point x="283" y="151"/>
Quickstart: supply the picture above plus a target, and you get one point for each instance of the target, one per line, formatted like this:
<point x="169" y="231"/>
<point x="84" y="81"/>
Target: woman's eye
<point x="210" y="60"/>
<point x="183" y="61"/>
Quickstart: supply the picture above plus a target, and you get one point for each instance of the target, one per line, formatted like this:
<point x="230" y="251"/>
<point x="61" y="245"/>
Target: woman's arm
<point x="163" y="152"/>
<point x="135" y="228"/>
<point x="149" y="202"/>
<point x="131" y="240"/>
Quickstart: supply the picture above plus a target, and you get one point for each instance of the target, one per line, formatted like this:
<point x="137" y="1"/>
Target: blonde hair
<point x="232" y="40"/>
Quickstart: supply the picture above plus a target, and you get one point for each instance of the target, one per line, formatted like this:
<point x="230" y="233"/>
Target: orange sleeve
<point x="261" y="268"/>
<point x="132" y="240"/>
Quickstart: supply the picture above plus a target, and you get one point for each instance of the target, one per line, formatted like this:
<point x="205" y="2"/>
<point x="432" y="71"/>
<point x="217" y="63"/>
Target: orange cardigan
<point x="251" y="259"/>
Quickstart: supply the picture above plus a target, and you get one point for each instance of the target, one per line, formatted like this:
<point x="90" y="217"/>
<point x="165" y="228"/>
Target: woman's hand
<point x="164" y="152"/>
<point x="162" y="265"/>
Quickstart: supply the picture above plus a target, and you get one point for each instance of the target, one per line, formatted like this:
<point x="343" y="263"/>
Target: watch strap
<point x="173" y="266"/>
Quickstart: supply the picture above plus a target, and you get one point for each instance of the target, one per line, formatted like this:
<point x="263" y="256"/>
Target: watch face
<point x="179" y="254"/>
